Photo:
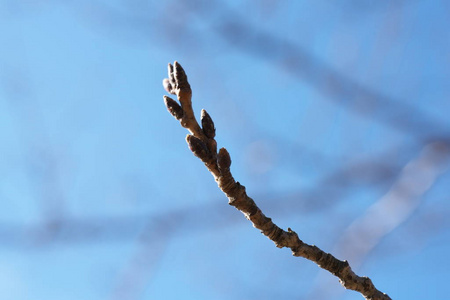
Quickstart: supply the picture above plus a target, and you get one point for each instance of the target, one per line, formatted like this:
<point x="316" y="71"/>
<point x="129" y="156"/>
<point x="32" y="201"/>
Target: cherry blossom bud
<point x="174" y="108"/>
<point x="197" y="147"/>
<point x="223" y="160"/>
<point x="208" y="125"/>
<point x="167" y="85"/>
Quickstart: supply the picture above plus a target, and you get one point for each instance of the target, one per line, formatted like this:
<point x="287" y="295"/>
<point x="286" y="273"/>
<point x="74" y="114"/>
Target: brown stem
<point x="204" y="146"/>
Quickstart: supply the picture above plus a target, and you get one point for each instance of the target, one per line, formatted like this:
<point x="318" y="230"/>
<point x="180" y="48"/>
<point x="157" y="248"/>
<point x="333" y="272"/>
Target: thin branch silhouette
<point x="202" y="143"/>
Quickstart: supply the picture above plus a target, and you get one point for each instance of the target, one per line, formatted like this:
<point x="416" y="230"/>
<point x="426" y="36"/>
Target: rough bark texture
<point x="202" y="143"/>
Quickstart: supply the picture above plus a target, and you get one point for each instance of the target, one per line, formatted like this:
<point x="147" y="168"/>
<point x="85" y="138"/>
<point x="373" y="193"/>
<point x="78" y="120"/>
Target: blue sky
<point x="326" y="110"/>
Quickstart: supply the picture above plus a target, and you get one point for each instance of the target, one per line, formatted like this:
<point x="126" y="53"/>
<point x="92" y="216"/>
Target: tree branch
<point x="202" y="143"/>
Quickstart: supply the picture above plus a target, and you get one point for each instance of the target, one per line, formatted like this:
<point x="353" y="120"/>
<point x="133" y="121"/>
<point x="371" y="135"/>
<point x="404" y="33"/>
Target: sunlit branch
<point x="202" y="143"/>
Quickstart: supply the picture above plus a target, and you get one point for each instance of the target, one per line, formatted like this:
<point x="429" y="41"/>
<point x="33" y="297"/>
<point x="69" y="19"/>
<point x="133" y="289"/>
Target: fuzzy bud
<point x="170" y="72"/>
<point x="197" y="147"/>
<point x="208" y="125"/>
<point x="167" y="86"/>
<point x="180" y="77"/>
<point x="173" y="107"/>
<point x="223" y="160"/>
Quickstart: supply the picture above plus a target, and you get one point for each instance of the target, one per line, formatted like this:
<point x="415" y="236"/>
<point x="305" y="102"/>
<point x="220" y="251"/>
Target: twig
<point x="202" y="143"/>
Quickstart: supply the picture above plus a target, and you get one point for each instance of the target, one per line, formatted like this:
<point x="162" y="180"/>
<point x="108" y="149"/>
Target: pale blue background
<point x="320" y="103"/>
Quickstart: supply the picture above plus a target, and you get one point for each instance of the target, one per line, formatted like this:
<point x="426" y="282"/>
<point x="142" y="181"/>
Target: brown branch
<point x="202" y="143"/>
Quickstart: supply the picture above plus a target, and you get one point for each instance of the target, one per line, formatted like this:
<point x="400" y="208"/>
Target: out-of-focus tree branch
<point x="336" y="85"/>
<point x="393" y="209"/>
<point x="231" y="27"/>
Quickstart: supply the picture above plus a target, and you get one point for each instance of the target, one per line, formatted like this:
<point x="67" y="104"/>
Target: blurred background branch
<point x="346" y="99"/>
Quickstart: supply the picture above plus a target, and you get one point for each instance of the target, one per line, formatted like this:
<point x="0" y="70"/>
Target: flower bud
<point x="208" y="125"/>
<point x="180" y="75"/>
<point x="223" y="160"/>
<point x="167" y="86"/>
<point x="197" y="147"/>
<point x="170" y="72"/>
<point x="174" y="108"/>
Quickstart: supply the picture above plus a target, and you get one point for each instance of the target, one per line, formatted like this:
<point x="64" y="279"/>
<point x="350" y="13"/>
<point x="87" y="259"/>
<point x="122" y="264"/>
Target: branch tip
<point x="202" y="143"/>
<point x="170" y="72"/>
<point x="180" y="75"/>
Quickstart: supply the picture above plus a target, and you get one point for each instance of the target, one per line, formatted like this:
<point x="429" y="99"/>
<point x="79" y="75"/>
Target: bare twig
<point x="202" y="143"/>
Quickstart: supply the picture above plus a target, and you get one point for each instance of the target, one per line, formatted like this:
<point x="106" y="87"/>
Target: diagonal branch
<point x="202" y="143"/>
